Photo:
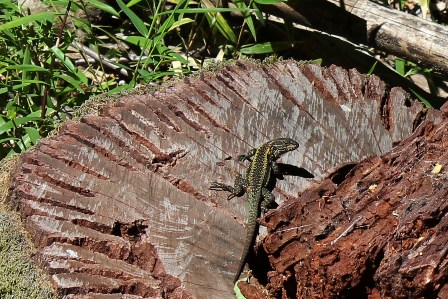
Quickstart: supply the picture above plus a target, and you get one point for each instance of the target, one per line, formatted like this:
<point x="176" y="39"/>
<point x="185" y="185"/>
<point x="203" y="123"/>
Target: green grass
<point x="41" y="84"/>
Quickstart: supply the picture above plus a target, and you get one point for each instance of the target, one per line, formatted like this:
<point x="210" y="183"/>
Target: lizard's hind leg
<point x="276" y="170"/>
<point x="268" y="199"/>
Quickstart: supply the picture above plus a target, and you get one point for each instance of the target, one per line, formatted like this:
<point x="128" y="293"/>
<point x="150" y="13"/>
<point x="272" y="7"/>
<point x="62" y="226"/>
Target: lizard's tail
<point x="251" y="235"/>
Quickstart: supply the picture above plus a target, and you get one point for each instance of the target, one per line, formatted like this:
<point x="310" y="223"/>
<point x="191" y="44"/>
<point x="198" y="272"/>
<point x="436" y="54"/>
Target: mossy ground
<point x="19" y="275"/>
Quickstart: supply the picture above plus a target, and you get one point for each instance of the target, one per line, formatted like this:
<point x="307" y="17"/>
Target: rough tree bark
<point x="119" y="202"/>
<point x="394" y="211"/>
<point x="379" y="232"/>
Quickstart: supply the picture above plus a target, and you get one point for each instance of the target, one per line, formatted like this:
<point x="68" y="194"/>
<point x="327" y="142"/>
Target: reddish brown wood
<point x="119" y="202"/>
<point x="398" y="249"/>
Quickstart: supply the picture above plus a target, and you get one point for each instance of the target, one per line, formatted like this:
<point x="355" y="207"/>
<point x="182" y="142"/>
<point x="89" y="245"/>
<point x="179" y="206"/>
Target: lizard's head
<point x="280" y="146"/>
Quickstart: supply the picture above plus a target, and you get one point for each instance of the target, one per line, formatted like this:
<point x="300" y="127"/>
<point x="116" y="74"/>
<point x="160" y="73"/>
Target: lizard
<point x="262" y="165"/>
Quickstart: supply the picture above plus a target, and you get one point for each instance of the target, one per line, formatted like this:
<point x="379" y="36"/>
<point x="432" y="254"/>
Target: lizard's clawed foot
<point x="222" y="187"/>
<point x="215" y="186"/>
<point x="242" y="158"/>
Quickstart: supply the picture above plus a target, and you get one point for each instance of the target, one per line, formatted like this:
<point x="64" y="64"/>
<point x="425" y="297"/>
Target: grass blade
<point x="268" y="2"/>
<point x="42" y="16"/>
<point x="136" y="21"/>
<point x="18" y="121"/>
<point x="27" y="67"/>
<point x="33" y="134"/>
<point x="69" y="64"/>
<point x="220" y="21"/>
<point x="247" y="17"/>
<point x="104" y="7"/>
<point x="180" y="22"/>
<point x="399" y="66"/>
<point x="265" y="48"/>
<point x="206" y="9"/>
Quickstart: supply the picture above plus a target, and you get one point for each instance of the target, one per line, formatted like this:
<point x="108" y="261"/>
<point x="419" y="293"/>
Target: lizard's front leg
<point x="248" y="156"/>
<point x="237" y="190"/>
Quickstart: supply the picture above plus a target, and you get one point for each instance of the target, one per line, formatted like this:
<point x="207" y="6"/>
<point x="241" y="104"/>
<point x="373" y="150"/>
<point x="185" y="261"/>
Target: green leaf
<point x="247" y="17"/>
<point x="17" y="122"/>
<point x="49" y="111"/>
<point x="76" y="84"/>
<point x="65" y="60"/>
<point x="11" y="109"/>
<point x="317" y="61"/>
<point x="162" y="31"/>
<point x="424" y="5"/>
<point x="237" y="290"/>
<point x="30" y="81"/>
<point x="220" y="22"/>
<point x="139" y="41"/>
<point x="69" y="64"/>
<point x="258" y="14"/>
<point x="422" y="99"/>
<point x="10" y="6"/>
<point x="136" y="21"/>
<point x="42" y="16"/>
<point x="27" y="67"/>
<point x="399" y="66"/>
<point x="269" y="2"/>
<point x="169" y="54"/>
<point x="145" y="44"/>
<point x="25" y="74"/>
<point x="104" y="7"/>
<point x="33" y="115"/>
<point x="370" y="72"/>
<point x="11" y="153"/>
<point x="211" y="9"/>
<point x="412" y="71"/>
<point x="180" y="23"/>
<point x="14" y="87"/>
<point x="133" y="2"/>
<point x="402" y="3"/>
<point x="151" y="76"/>
<point x="265" y="48"/>
<point x="33" y="134"/>
<point x="24" y="143"/>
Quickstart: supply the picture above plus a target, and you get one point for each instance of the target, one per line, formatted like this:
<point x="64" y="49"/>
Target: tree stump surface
<point x="118" y="203"/>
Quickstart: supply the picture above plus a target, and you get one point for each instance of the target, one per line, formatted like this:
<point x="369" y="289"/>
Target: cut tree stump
<point x="118" y="203"/>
